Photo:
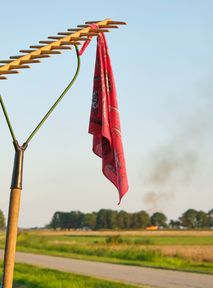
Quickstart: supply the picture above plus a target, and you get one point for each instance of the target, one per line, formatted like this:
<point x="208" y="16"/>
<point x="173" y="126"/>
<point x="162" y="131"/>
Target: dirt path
<point x="129" y="274"/>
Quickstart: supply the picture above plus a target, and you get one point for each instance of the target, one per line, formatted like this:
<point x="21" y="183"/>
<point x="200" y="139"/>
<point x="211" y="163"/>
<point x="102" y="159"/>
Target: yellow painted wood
<point x="33" y="54"/>
<point x="12" y="228"/>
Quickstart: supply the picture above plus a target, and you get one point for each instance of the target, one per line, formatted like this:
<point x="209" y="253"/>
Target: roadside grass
<point x="27" y="276"/>
<point x="179" y="252"/>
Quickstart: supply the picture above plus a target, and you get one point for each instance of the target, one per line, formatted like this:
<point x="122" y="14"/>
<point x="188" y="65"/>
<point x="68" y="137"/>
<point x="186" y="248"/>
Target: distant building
<point x="152" y="228"/>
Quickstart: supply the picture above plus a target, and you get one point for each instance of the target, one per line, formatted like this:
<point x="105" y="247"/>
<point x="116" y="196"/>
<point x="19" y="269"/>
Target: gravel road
<point x="129" y="274"/>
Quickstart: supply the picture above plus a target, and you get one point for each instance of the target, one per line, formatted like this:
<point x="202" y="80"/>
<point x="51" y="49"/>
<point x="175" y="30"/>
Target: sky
<point x="163" y="66"/>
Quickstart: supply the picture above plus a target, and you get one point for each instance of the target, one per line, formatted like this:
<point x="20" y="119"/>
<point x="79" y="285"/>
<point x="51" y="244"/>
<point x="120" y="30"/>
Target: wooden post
<point x="10" y="247"/>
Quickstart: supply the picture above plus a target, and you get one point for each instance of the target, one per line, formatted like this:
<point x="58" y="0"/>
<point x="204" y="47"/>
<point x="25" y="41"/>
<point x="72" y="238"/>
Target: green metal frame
<point x="50" y="110"/>
<point x="19" y="149"/>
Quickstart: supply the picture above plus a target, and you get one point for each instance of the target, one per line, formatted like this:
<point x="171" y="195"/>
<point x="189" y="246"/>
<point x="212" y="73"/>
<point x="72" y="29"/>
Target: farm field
<point x="33" y="277"/>
<point x="178" y="250"/>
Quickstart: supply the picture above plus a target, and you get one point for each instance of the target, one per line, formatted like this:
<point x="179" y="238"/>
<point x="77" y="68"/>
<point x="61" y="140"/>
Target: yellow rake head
<point x="56" y="44"/>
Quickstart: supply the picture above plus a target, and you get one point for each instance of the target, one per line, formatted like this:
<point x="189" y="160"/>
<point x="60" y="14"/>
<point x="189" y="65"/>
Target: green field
<point x="27" y="276"/>
<point x="179" y="250"/>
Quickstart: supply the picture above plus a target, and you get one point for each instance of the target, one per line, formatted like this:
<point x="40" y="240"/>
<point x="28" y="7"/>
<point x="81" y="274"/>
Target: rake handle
<point x="11" y="237"/>
<point x="13" y="216"/>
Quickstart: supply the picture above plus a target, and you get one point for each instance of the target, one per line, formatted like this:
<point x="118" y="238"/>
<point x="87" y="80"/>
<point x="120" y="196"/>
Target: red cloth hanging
<point x="104" y="122"/>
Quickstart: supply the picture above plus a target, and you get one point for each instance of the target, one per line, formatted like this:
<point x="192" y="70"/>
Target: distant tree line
<point x="110" y="219"/>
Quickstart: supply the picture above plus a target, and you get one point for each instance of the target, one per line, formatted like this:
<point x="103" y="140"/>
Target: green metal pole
<point x="7" y="119"/>
<point x="58" y="100"/>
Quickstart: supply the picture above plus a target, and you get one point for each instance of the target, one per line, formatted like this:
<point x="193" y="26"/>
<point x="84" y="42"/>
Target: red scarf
<point x="104" y="119"/>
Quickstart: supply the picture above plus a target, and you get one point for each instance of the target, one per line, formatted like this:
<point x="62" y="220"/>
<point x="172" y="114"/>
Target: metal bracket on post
<point x="18" y="166"/>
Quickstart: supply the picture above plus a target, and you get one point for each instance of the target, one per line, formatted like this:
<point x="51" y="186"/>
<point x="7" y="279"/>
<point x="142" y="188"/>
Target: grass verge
<point x="27" y="276"/>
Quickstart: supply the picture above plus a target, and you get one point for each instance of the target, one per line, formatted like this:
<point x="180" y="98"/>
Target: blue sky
<point x="163" y="66"/>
